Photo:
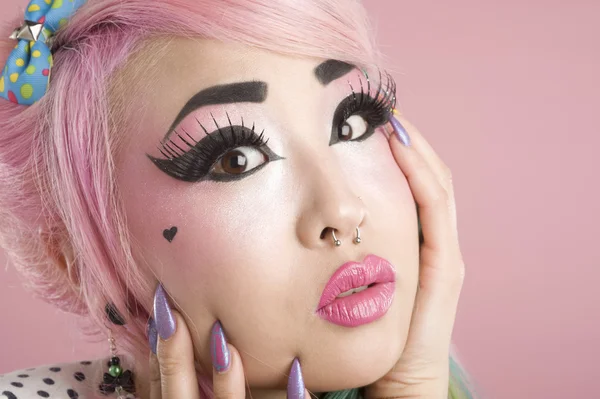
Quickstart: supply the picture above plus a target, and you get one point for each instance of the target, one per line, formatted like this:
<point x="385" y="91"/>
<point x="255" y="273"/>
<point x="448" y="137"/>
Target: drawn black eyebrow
<point x="331" y="70"/>
<point x="252" y="92"/>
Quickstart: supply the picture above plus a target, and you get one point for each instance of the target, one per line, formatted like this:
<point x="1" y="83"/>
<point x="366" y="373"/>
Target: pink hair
<point x="57" y="190"/>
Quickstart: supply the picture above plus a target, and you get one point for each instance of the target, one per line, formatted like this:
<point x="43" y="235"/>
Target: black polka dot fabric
<point x="77" y="380"/>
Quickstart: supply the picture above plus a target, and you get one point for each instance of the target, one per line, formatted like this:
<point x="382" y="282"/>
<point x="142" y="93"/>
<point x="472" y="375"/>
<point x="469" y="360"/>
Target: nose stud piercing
<point x="337" y="242"/>
<point x="357" y="240"/>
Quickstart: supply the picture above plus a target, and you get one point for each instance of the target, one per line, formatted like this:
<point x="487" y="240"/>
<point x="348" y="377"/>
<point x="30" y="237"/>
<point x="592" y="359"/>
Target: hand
<point x="423" y="369"/>
<point x="172" y="370"/>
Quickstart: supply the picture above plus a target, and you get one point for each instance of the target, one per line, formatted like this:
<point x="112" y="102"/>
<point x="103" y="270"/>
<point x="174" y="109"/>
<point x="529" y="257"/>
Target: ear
<point x="64" y="259"/>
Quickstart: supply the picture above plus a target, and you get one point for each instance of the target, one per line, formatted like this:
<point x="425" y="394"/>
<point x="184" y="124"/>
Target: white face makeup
<point x="233" y="210"/>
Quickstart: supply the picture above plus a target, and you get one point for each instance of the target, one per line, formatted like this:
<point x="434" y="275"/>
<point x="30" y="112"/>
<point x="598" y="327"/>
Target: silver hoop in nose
<point x="357" y="240"/>
<point x="335" y="240"/>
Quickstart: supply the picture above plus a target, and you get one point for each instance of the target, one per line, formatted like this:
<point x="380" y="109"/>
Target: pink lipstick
<point x="358" y="293"/>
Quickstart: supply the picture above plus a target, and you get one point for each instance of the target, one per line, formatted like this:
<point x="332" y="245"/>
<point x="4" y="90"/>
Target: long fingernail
<point x="165" y="322"/>
<point x="400" y="131"/>
<point x="218" y="348"/>
<point x="295" y="388"/>
<point x="152" y="334"/>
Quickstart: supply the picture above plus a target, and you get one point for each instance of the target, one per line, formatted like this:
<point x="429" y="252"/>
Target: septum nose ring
<point x="357" y="240"/>
<point x="337" y="242"/>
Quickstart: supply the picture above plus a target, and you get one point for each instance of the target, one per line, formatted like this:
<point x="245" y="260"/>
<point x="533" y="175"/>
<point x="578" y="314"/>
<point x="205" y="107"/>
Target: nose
<point x="331" y="208"/>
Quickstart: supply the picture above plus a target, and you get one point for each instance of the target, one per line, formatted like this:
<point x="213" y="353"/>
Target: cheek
<point x="386" y="193"/>
<point x="376" y="173"/>
<point x="221" y="241"/>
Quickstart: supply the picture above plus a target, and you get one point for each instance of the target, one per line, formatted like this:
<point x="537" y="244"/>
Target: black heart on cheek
<point x="169" y="234"/>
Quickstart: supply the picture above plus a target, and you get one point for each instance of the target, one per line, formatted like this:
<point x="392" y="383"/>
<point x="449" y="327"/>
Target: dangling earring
<point x="116" y="380"/>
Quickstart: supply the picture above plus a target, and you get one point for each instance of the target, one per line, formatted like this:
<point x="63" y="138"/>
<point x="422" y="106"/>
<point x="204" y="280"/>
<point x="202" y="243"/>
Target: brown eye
<point x="352" y="128"/>
<point x="234" y="162"/>
<point x="239" y="160"/>
<point x="345" y="132"/>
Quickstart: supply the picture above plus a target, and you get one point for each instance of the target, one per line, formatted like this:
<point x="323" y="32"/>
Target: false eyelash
<point x="247" y="138"/>
<point x="379" y="103"/>
<point x="193" y="162"/>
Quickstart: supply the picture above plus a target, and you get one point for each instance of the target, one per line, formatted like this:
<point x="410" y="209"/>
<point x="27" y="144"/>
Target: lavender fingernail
<point x="152" y="335"/>
<point x="295" y="388"/>
<point x="218" y="348"/>
<point x="400" y="131"/>
<point x="165" y="322"/>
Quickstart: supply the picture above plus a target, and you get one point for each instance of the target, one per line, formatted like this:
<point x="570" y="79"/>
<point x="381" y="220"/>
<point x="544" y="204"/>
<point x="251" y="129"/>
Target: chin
<point x="358" y="356"/>
<point x="335" y="357"/>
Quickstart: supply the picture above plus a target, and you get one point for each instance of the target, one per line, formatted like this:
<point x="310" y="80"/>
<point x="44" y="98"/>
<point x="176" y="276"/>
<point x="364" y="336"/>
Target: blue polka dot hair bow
<point x="26" y="75"/>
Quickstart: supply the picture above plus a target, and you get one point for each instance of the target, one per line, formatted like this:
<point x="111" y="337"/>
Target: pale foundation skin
<point x="249" y="252"/>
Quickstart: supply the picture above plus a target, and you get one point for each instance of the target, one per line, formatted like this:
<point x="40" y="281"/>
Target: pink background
<point x="506" y="91"/>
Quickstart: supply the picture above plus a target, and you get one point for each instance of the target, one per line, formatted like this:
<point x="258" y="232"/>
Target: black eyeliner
<point x="194" y="163"/>
<point x="374" y="108"/>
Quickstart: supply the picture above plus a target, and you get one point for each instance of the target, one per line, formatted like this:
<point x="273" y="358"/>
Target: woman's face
<point x="239" y="229"/>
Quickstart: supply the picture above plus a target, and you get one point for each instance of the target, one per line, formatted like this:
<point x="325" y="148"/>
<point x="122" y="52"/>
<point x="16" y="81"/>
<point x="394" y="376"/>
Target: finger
<point x="441" y="270"/>
<point x="228" y="372"/>
<point x="154" y="372"/>
<point x="429" y="192"/>
<point x="419" y="143"/>
<point x="433" y="317"/>
<point x="295" y="387"/>
<point x="176" y="361"/>
<point x="440" y="169"/>
<point x="153" y="367"/>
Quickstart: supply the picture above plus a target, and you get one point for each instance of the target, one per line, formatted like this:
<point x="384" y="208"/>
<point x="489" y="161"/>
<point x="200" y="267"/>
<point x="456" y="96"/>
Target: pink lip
<point x="365" y="306"/>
